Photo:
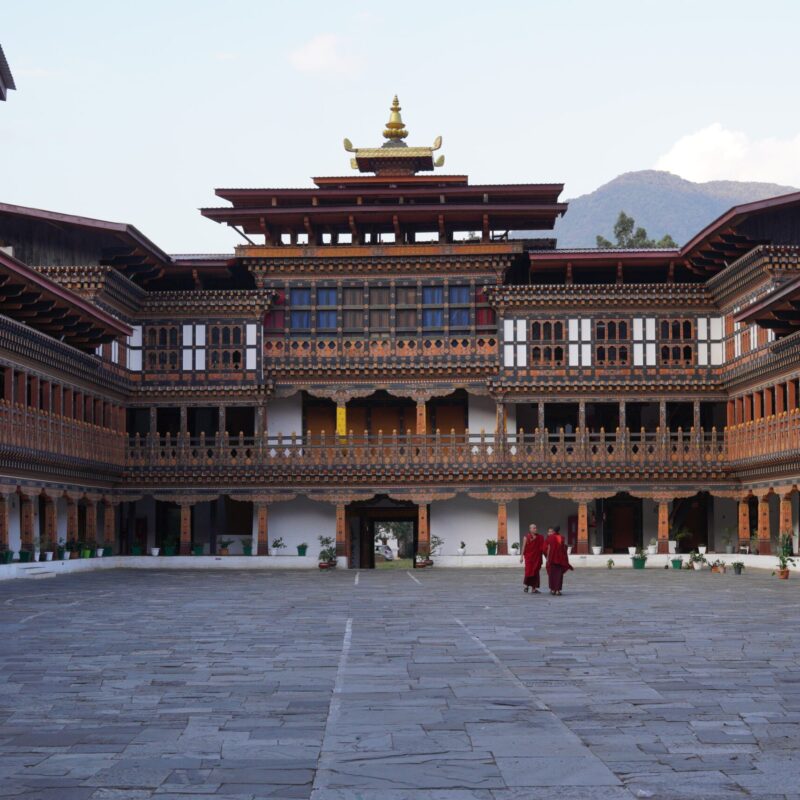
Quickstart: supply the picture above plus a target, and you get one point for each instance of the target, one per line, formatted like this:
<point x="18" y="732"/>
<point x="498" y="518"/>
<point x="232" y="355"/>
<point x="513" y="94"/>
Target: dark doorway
<point x="690" y="515"/>
<point x="372" y="521"/>
<point x="623" y="522"/>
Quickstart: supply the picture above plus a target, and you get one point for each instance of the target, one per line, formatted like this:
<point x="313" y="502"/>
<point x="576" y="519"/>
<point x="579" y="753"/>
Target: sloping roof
<point x="6" y="78"/>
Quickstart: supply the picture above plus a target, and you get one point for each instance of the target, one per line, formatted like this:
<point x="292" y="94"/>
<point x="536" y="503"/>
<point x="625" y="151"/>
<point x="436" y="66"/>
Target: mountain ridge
<point x="660" y="202"/>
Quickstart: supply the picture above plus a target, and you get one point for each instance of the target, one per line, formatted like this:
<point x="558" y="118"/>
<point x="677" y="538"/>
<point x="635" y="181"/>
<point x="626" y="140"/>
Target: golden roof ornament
<point x="395" y="130"/>
<point x="394" y="156"/>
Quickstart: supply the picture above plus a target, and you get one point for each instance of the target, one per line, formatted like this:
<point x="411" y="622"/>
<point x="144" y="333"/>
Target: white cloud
<point x="222" y="55"/>
<point x="717" y="153"/>
<point x="326" y="54"/>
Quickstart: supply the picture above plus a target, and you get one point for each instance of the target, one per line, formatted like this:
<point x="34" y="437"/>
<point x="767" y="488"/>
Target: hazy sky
<point x="136" y="111"/>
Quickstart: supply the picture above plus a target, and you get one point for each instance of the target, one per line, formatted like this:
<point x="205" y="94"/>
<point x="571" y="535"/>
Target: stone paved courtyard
<point x="441" y="684"/>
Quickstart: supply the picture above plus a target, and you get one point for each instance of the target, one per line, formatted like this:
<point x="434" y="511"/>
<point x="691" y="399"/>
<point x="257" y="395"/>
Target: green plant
<point x="640" y="553"/>
<point x="72" y="545"/>
<point x="303" y="544"/>
<point x="436" y="542"/>
<point x="515" y="546"/>
<point x="786" y="543"/>
<point x="278" y="544"/>
<point x="653" y="542"/>
<point x="738" y="566"/>
<point x="785" y="559"/>
<point x="224" y="544"/>
<point x="328" y="551"/>
<point x="697" y="558"/>
<point x="610" y="563"/>
<point x="463" y="545"/>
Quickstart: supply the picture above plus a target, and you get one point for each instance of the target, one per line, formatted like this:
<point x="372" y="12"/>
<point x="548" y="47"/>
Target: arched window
<point x="536" y="331"/>
<point x="601" y="331"/>
<point x="226" y="336"/>
<point x="237" y="358"/>
<point x="665" y="354"/>
<point x="558" y="331"/>
<point x="687" y="354"/>
<point x="173" y="337"/>
<point x="162" y="337"/>
<point x="547" y="331"/>
<point x="665" y="330"/>
<point x="536" y="355"/>
<point x="623" y="355"/>
<point x="601" y="355"/>
<point x="151" y="337"/>
<point x="612" y="355"/>
<point x="676" y="330"/>
<point x="612" y="330"/>
<point x="226" y="358"/>
<point x="558" y="354"/>
<point x="548" y="354"/>
<point x="676" y="354"/>
<point x="215" y="335"/>
<point x="687" y="329"/>
<point x="623" y="330"/>
<point x="237" y="335"/>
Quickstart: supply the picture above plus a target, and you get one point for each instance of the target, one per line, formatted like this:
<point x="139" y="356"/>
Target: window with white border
<point x="644" y="341"/>
<point x="737" y="336"/>
<point x="251" y="340"/>
<point x="710" y="347"/>
<point x="135" y="349"/>
<point x="194" y="347"/>
<point x="580" y="342"/>
<point x="515" y="343"/>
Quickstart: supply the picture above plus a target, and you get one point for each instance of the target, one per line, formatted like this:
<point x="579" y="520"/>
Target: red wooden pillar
<point x="341" y="531"/>
<point x="786" y="526"/>
<point x="109" y="527"/>
<point x="582" y="545"/>
<point x="4" y="499"/>
<point x="262" y="529"/>
<point x="26" y="522"/>
<point x="50" y="531"/>
<point x="186" y="529"/>
<point x="72" y="517"/>
<point x="91" y="521"/>
<point x="422" y="418"/>
<point x="744" y="523"/>
<point x="502" y="529"/>
<point x="764" y="532"/>
<point x="423" y="531"/>
<point x="663" y="526"/>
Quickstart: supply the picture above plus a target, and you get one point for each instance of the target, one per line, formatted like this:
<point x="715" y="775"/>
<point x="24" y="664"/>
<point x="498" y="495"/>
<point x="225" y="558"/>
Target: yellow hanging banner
<point x="341" y="420"/>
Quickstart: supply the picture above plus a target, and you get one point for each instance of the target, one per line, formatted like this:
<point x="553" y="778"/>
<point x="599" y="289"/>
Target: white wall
<point x="724" y="514"/>
<point x="464" y="519"/>
<point x="13" y="523"/>
<point x="545" y="511"/>
<point x="299" y="521"/>
<point x="285" y="415"/>
<point x="481" y="414"/>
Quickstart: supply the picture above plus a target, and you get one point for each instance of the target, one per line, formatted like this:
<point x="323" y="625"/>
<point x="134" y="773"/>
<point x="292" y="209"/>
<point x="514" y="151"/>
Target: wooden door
<point x="321" y="418"/>
<point x="622" y="524"/>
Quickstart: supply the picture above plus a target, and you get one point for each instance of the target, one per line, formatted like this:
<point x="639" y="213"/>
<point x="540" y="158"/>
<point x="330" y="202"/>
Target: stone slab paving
<point x="126" y="685"/>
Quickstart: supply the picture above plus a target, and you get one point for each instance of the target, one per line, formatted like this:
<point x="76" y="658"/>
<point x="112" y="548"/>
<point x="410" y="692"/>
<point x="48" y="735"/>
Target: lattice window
<point x="580" y="342"/>
<point x="194" y="347"/>
<point x="515" y="346"/>
<point x="135" y="349"/>
<point x="710" y="348"/>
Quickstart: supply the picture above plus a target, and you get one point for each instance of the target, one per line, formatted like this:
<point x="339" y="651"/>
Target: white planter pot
<point x="698" y="565"/>
<point x="631" y="551"/>
<point x="48" y="556"/>
<point x="98" y="552"/>
<point x="36" y="555"/>
<point x="154" y="551"/>
<point x="652" y="549"/>
<point x="461" y="551"/>
<point x="729" y="549"/>
<point x="596" y="550"/>
<point x="673" y="545"/>
<point x="569" y="549"/>
<point x="702" y="550"/>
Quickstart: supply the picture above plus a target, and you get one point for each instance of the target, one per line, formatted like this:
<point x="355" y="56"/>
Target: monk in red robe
<point x="532" y="550"/>
<point x="555" y="551"/>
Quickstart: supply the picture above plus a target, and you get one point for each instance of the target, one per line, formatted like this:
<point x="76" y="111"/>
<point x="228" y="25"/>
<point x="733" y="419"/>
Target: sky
<point x="136" y="112"/>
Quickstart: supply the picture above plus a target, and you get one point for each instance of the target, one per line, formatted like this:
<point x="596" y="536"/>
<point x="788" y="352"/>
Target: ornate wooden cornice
<point x="103" y="285"/>
<point x="263" y="498"/>
<point x="223" y="303"/>
<point x="232" y="394"/>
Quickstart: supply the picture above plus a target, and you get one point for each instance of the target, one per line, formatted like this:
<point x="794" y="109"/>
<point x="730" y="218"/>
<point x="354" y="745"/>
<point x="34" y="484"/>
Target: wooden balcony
<point x="776" y="435"/>
<point x="33" y="432"/>
<point x="458" y="455"/>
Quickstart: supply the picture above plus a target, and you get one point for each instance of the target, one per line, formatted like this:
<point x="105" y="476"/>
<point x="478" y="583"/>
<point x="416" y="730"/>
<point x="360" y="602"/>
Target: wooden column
<point x="744" y="523"/>
<point x="582" y="547"/>
<point x="500" y="419"/>
<point x="623" y="417"/>
<point x="4" y="521"/>
<point x="72" y="518"/>
<point x="186" y="529"/>
<point x="696" y="416"/>
<point x="91" y="521"/>
<point x="662" y="415"/>
<point x="663" y="526"/>
<point x="109" y="528"/>
<point x="422" y="417"/>
<point x="341" y="530"/>
<point x="502" y="529"/>
<point x="26" y="522"/>
<point x="786" y="515"/>
<point x="423" y="531"/>
<point x="764" y="538"/>
<point x="262" y="530"/>
<point x="50" y="532"/>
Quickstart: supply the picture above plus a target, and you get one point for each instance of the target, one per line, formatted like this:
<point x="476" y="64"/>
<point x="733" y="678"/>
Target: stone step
<point x="34" y="571"/>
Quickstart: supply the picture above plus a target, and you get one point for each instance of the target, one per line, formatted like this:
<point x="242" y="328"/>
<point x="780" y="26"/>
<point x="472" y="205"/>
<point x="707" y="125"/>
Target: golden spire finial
<point x="395" y="129"/>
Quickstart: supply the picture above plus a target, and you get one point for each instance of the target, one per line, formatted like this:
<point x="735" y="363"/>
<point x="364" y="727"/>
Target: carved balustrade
<point x="771" y="436"/>
<point x="586" y="449"/>
<point x="55" y="435"/>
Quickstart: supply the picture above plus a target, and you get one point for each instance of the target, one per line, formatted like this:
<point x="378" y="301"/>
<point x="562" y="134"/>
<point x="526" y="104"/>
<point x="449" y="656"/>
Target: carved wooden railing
<point x="398" y="450"/>
<point x="778" y="434"/>
<point x="51" y="434"/>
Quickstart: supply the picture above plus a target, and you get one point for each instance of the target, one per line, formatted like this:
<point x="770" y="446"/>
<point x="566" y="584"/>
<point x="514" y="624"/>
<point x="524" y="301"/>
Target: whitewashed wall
<point x="285" y="415"/>
<point x="13" y="523"/>
<point x="470" y="521"/>
<point x="301" y="521"/>
<point x="724" y="514"/>
<point x="61" y="519"/>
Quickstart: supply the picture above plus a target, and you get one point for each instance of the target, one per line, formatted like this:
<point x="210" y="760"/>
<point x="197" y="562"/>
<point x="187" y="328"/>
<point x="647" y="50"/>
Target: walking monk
<point x="532" y="551"/>
<point x="555" y="551"/>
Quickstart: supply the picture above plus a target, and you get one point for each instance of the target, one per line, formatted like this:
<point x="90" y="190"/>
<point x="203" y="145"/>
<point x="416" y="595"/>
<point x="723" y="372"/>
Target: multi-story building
<point x="381" y="348"/>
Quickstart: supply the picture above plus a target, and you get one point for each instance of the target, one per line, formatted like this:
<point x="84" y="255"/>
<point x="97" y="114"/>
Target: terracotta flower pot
<point x="783" y="574"/>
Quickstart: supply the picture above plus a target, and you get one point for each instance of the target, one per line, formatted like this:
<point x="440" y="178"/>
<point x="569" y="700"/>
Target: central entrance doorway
<point x="383" y="533"/>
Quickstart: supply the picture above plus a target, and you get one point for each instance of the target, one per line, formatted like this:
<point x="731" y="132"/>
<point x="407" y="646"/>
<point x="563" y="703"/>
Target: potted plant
<point x="610" y="563"/>
<point x="515" y="548"/>
<point x="639" y="560"/>
<point x="99" y="551"/>
<point x="47" y="546"/>
<point x="703" y="549"/>
<point x="137" y="550"/>
<point x="278" y="545"/>
<point x="652" y="547"/>
<point x="462" y="548"/>
<point x="423" y="559"/>
<point x="596" y="550"/>
<point x="681" y="536"/>
<point x="197" y="549"/>
<point x="108" y="550"/>
<point x="785" y="556"/>
<point x="35" y="551"/>
<point x="6" y="556"/>
<point x="247" y="545"/>
<point x="170" y="543"/>
<point x="632" y="551"/>
<point x="727" y="539"/>
<point x="91" y="546"/>
<point x="738" y="566"/>
<point x="25" y="556"/>
<point x="154" y="551"/>
<point x="83" y="549"/>
<point x="327" y="553"/>
<point x="677" y="562"/>
<point x="302" y="549"/>
<point x="696" y="560"/>
<point x="436" y="544"/>
<point x="491" y="547"/>
<point x="754" y="541"/>
<point x="718" y="566"/>
<point x="223" y="545"/>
